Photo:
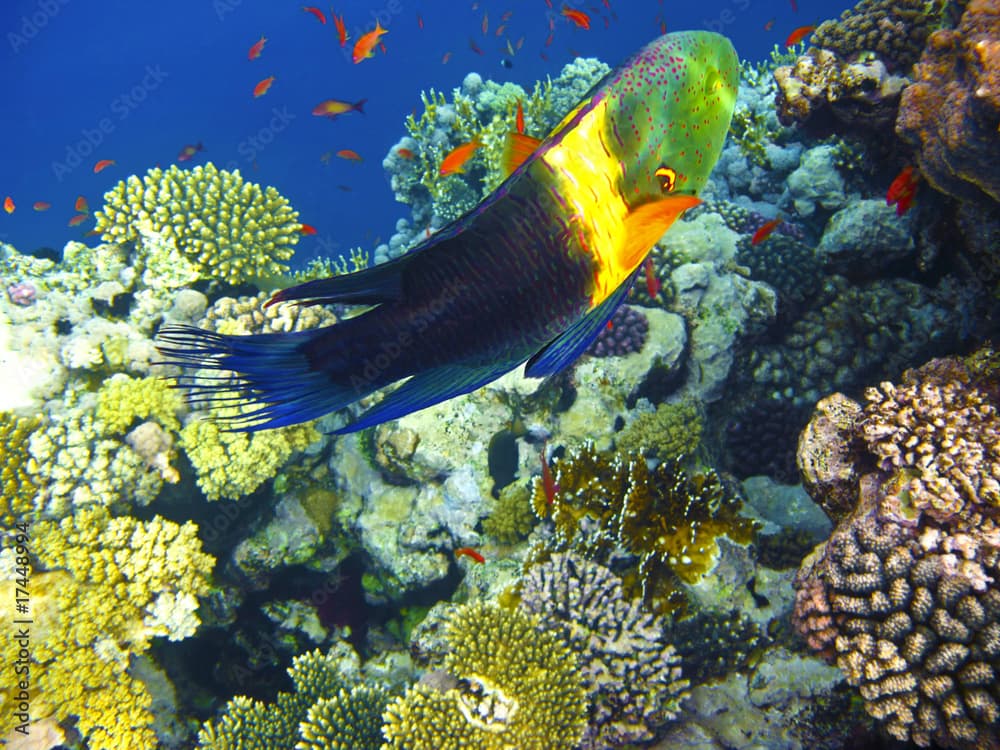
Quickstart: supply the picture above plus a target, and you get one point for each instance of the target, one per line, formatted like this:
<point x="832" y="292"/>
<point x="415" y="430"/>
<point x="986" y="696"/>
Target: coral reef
<point x="220" y="226"/>
<point x="349" y="720"/>
<point x="511" y="519"/>
<point x="508" y="684"/>
<point x="630" y="672"/>
<point x="626" y="333"/>
<point x="951" y="112"/>
<point x="121" y="400"/>
<point x="672" y="431"/>
<point x="242" y="316"/>
<point x="866" y="236"/>
<point x="17" y="485"/>
<point x="711" y="644"/>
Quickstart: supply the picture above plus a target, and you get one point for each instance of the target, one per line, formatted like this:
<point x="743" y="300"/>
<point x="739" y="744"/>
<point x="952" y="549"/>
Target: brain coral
<point x="226" y="228"/>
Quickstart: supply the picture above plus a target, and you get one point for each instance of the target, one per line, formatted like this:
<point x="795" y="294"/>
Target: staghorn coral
<point x="18" y="485"/>
<point x="630" y="672"/>
<point x="672" y="431"/>
<point x="951" y="113"/>
<point x="512" y="685"/>
<point x="349" y="720"/>
<point x="668" y="519"/>
<point x="222" y="227"/>
<point x="104" y="587"/>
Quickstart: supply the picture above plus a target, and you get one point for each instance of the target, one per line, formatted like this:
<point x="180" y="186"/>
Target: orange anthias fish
<point x="764" y="231"/>
<point x="578" y="17"/>
<point x="349" y="154"/>
<point x="103" y="164"/>
<point x="307" y="229"/>
<point x="262" y="87"/>
<point x="257" y="48"/>
<point x="77" y="220"/>
<point x="519" y="119"/>
<point x="548" y="483"/>
<point x="41" y="205"/>
<point x="8" y="204"/>
<point x="334" y="108"/>
<point x="316" y="12"/>
<point x="405" y="153"/>
<point x="799" y="34"/>
<point x="81" y="204"/>
<point x="364" y="46"/>
<point x="770" y="24"/>
<point x="454" y="162"/>
<point x="470" y="553"/>
<point x="903" y="190"/>
<point x="338" y="22"/>
<point x="187" y="152"/>
<point x="653" y="285"/>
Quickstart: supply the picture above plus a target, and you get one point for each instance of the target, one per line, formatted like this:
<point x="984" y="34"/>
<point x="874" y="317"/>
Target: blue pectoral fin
<point x="423" y="390"/>
<point x="565" y="348"/>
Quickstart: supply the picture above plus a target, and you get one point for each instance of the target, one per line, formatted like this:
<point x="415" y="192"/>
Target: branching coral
<point x="514" y="686"/>
<point x="122" y="400"/>
<point x="224" y="227"/>
<point x="17" y="485"/>
<point x="350" y="720"/>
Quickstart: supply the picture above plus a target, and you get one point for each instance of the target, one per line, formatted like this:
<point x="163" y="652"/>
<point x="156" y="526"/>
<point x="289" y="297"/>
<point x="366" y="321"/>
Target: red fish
<point x="364" y="46"/>
<point x="103" y="164"/>
<point x="77" y="220"/>
<point x="405" y="153"/>
<point x="548" y="483"/>
<point x="81" y="204"/>
<point x="41" y="205"/>
<point x="519" y="119"/>
<point x="653" y="285"/>
<point x="257" y="48"/>
<point x="454" y="162"/>
<point x="770" y="24"/>
<point x="262" y="87"/>
<point x="349" y="154"/>
<point x="420" y="21"/>
<point x="578" y="17"/>
<point x="445" y="58"/>
<point x="486" y="22"/>
<point x="470" y="553"/>
<point x="902" y="190"/>
<point x="765" y="230"/>
<point x="338" y="22"/>
<point x="799" y="34"/>
<point x="307" y="229"/>
<point x="475" y="47"/>
<point x="8" y="204"/>
<point x="187" y="153"/>
<point x="316" y="12"/>
<point x="334" y="108"/>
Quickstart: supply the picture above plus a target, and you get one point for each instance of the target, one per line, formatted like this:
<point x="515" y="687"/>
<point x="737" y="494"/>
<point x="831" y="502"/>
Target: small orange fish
<point x="506" y="15"/>
<point x="653" y="285"/>
<point x="316" y="12"/>
<point x="578" y="17"/>
<point x="103" y="164"/>
<point x="41" y="205"/>
<point x="486" y="22"/>
<point x="349" y="154"/>
<point x="770" y="24"/>
<point x="8" y="204"/>
<point x="470" y="553"/>
<point x="548" y="483"/>
<point x="335" y="107"/>
<point x="445" y="58"/>
<point x="903" y="190"/>
<point x="519" y="118"/>
<point x="262" y="87"/>
<point x="307" y="229"/>
<point x="257" y="48"/>
<point x="454" y="162"/>
<point x="81" y="204"/>
<point x="405" y="153"/>
<point x="420" y="21"/>
<point x="77" y="220"/>
<point x="338" y="22"/>
<point x="187" y="152"/>
<point x="475" y="47"/>
<point x="764" y="231"/>
<point x="798" y="35"/>
<point x="364" y="46"/>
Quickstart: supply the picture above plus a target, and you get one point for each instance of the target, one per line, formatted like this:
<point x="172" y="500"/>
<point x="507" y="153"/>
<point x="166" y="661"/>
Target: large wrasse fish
<point x="532" y="274"/>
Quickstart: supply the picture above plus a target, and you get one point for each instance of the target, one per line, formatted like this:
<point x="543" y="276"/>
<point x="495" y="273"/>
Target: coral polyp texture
<point x="626" y="333"/>
<point x="17" y="485"/>
<point x="513" y="684"/>
<point x="223" y="227"/>
<point x="951" y="112"/>
<point x="904" y="596"/>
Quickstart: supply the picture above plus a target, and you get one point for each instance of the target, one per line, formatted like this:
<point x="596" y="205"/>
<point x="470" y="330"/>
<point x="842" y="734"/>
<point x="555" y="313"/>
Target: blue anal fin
<point x="563" y="350"/>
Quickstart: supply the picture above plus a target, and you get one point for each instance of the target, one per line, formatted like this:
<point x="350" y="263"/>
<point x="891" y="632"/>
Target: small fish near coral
<point x="529" y="276"/>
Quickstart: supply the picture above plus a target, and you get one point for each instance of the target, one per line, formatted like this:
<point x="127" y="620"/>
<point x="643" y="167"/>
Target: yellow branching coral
<point x="517" y="686"/>
<point x="17" y="486"/>
<point x="122" y="400"/>
<point x="224" y="227"/>
<point x="233" y="464"/>
<point x="110" y="584"/>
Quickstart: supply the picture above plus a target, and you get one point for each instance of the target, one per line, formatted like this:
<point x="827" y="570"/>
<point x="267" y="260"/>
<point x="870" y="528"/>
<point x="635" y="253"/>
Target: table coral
<point x="951" y="113"/>
<point x="515" y="686"/>
<point x="99" y="599"/>
<point x="229" y="229"/>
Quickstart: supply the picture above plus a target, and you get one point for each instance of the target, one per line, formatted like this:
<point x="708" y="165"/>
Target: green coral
<point x="350" y="720"/>
<point x="17" y="484"/>
<point x="511" y="519"/>
<point x="121" y="400"/>
<point x="223" y="227"/>
<point x="517" y="686"/>
<point x="749" y="131"/>
<point x="103" y="587"/>
<point x="672" y="431"/>
<point x="668" y="519"/>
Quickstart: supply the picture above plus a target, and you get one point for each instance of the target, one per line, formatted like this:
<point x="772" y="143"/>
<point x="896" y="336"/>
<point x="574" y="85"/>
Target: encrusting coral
<point x="102" y="589"/>
<point x="224" y="228"/>
<point x="511" y="685"/>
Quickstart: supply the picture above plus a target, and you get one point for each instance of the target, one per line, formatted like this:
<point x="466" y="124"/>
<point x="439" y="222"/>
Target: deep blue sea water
<point x="136" y="81"/>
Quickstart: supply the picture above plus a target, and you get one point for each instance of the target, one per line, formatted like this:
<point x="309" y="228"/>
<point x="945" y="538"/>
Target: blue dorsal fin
<point x="370" y="286"/>
<point x="563" y="350"/>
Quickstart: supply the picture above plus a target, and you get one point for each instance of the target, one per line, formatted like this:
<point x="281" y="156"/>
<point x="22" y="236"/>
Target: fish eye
<point x="668" y="177"/>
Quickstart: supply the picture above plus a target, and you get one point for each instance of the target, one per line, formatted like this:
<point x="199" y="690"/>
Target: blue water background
<point x="136" y="81"/>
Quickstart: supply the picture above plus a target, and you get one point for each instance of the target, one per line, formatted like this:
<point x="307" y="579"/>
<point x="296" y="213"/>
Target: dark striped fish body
<point x="530" y="275"/>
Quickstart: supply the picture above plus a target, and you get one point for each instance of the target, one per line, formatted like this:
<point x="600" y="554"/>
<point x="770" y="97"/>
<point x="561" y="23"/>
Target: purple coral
<point x="22" y="293"/>
<point x="631" y="673"/>
<point x="626" y="334"/>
